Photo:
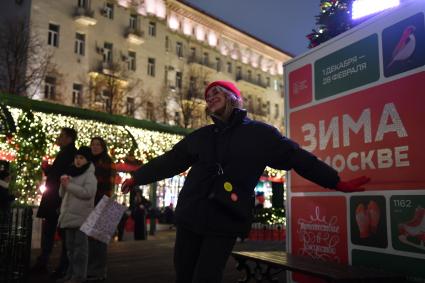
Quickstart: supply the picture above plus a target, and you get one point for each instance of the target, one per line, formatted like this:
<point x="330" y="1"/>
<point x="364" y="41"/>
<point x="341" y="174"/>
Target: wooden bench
<point x="265" y="265"/>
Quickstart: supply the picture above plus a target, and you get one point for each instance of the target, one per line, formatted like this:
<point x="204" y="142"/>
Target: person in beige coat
<point x="77" y="190"/>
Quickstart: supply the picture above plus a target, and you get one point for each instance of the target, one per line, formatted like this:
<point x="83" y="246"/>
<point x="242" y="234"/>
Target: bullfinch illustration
<point x="405" y="46"/>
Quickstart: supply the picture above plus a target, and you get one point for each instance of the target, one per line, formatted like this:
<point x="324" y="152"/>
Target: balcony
<point x="202" y="62"/>
<point x="258" y="111"/>
<point x="134" y="36"/>
<point x="84" y="16"/>
<point x="251" y="81"/>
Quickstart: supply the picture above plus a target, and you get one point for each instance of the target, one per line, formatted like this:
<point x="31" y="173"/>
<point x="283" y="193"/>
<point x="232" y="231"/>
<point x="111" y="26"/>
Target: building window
<point x="49" y="87"/>
<point x="80" y="42"/>
<point x="83" y="3"/>
<point x="106" y="99"/>
<point x="179" y="49"/>
<point x="238" y="73"/>
<point x="275" y="85"/>
<point x="167" y="43"/>
<point x="53" y="39"/>
<point x="108" y="10"/>
<point x="152" y="28"/>
<point x="268" y="81"/>
<point x="151" y="67"/>
<point x="218" y="64"/>
<point x="229" y="67"/>
<point x="77" y="94"/>
<point x="249" y="75"/>
<point x="107" y="52"/>
<point x="276" y="111"/>
<point x="179" y="80"/>
<point x="150" y="111"/>
<point x="192" y="83"/>
<point x="259" y="79"/>
<point x="131" y="60"/>
<point x="206" y="59"/>
<point x="177" y="118"/>
<point x="133" y="22"/>
<point x="130" y="106"/>
<point x="193" y="53"/>
<point x="166" y="75"/>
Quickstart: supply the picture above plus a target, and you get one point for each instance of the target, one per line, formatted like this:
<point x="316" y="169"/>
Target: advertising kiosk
<point x="358" y="103"/>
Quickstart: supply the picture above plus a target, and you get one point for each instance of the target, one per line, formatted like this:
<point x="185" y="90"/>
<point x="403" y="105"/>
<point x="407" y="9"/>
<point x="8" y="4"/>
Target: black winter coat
<point x="50" y="201"/>
<point x="248" y="147"/>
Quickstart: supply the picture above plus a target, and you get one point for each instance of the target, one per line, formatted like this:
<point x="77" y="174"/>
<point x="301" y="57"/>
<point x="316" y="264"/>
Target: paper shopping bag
<point x="103" y="220"/>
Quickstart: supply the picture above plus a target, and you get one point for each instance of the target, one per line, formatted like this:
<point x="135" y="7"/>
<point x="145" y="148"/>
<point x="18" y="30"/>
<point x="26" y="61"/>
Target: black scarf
<point x="74" y="171"/>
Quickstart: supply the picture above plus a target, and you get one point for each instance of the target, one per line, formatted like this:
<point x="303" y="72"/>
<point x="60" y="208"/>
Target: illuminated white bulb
<point x="42" y="188"/>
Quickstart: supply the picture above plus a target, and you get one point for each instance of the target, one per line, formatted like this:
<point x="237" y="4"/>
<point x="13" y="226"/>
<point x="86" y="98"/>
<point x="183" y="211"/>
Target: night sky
<point x="283" y="23"/>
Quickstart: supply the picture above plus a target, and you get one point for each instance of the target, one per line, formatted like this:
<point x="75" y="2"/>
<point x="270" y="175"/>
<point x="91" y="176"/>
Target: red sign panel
<point x="319" y="230"/>
<point x="377" y="132"/>
<point x="300" y="86"/>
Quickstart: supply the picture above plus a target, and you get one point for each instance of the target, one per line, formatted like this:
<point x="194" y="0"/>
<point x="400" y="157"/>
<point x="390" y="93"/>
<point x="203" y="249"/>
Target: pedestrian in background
<point x="138" y="213"/>
<point x="50" y="202"/>
<point x="77" y="190"/>
<point x="105" y="174"/>
<point x="241" y="149"/>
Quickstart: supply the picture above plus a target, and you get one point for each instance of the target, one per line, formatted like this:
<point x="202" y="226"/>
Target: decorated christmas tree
<point x="334" y="18"/>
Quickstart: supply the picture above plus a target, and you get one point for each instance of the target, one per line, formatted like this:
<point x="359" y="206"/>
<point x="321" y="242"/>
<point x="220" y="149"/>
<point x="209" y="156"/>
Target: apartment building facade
<point x="149" y="59"/>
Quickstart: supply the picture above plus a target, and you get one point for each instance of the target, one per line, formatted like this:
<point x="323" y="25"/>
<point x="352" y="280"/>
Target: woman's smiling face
<point x="216" y="100"/>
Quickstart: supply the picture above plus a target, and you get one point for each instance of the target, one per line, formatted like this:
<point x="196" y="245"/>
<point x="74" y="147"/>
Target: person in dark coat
<point x="206" y="233"/>
<point x="105" y="174"/>
<point x="50" y="201"/>
<point x="138" y="213"/>
<point x="6" y="198"/>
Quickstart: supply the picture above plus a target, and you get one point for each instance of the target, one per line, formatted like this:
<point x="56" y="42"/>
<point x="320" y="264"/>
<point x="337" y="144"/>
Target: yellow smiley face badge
<point x="228" y="186"/>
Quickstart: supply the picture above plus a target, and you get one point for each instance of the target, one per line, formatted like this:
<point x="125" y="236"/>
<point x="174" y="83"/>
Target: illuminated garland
<point x="36" y="136"/>
<point x="270" y="216"/>
<point x="30" y="144"/>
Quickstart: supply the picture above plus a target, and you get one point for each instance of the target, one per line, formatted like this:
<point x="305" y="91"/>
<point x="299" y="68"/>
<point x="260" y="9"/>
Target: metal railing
<point x="83" y="12"/>
<point x="15" y="244"/>
<point x="250" y="80"/>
